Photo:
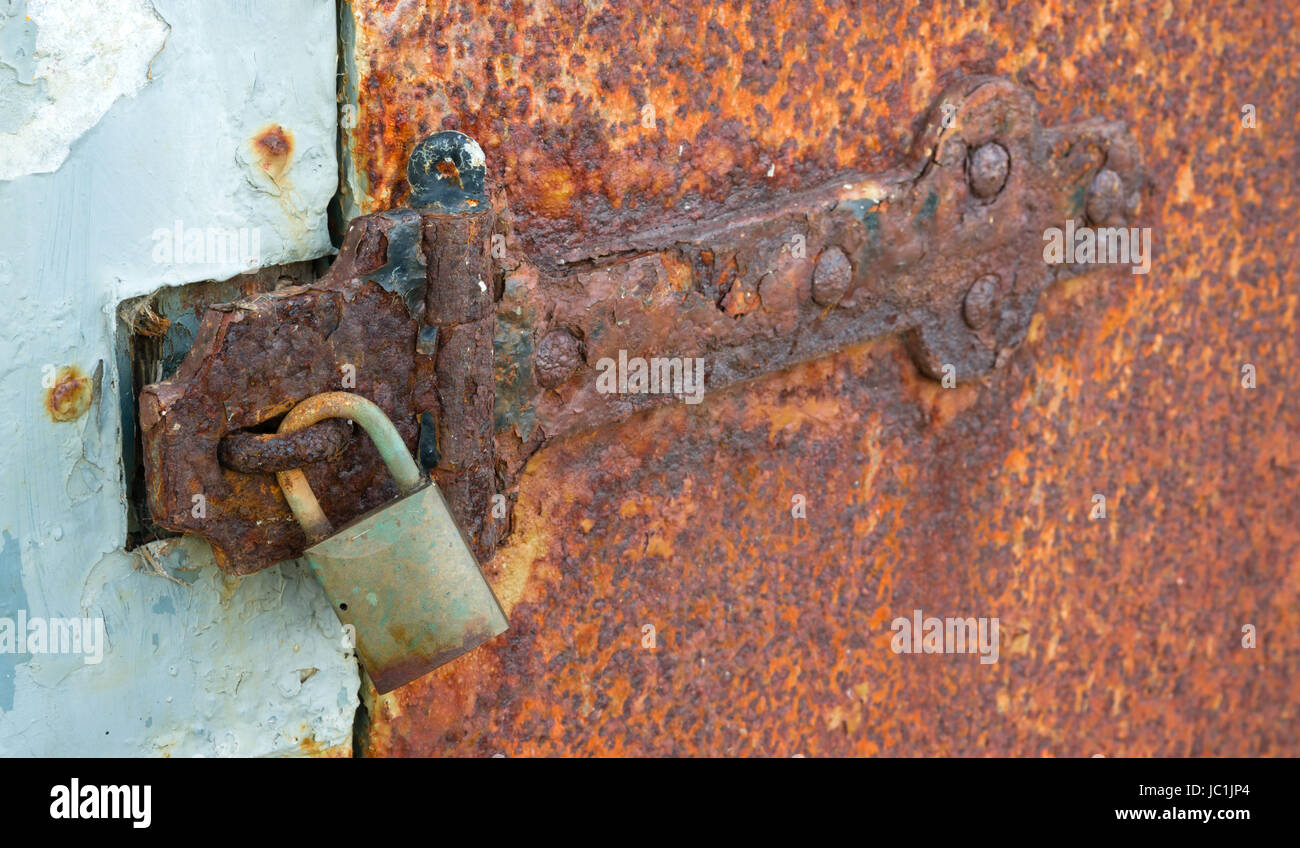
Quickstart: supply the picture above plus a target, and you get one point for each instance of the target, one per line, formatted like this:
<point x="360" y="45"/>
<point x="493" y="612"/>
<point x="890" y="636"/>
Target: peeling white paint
<point x="88" y="53"/>
<point x="218" y="666"/>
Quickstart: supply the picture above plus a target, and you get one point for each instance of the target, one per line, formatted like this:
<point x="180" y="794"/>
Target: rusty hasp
<point x="385" y="323"/>
<point x="946" y="250"/>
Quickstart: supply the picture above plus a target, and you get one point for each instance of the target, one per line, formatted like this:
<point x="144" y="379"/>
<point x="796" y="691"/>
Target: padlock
<point x="402" y="574"/>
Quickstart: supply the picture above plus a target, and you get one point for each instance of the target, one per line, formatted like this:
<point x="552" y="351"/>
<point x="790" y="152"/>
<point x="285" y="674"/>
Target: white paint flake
<point x="88" y="54"/>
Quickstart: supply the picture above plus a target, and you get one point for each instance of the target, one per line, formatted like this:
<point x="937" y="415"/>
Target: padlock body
<point x="405" y="578"/>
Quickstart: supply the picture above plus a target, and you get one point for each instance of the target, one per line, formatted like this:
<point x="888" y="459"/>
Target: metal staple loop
<point x="265" y="453"/>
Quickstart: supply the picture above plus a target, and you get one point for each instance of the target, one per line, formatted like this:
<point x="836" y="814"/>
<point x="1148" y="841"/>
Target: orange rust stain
<point x="274" y="149"/>
<point x="449" y="171"/>
<point x="554" y="187"/>
<point x="309" y="746"/>
<point x="70" y="396"/>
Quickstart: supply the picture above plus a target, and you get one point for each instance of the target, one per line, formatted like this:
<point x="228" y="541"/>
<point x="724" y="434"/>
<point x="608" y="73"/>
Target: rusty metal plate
<point x="404" y="317"/>
<point x="1121" y="636"/>
<point x="923" y="250"/>
<point x="251" y="362"/>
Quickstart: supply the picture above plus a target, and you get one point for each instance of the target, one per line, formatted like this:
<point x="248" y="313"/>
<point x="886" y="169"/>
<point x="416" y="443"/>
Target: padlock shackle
<point x="372" y="419"/>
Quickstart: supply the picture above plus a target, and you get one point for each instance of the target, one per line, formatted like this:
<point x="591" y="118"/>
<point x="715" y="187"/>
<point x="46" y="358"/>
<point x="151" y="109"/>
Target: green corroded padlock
<point x="402" y="574"/>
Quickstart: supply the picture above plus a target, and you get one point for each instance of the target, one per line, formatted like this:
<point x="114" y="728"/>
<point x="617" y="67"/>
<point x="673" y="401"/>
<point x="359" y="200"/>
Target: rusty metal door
<point x="909" y="409"/>
<point x="1120" y="635"/>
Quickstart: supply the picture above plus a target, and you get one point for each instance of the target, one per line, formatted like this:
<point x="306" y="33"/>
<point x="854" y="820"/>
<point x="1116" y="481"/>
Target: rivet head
<point x="558" y="355"/>
<point x="952" y="153"/>
<point x="989" y="164"/>
<point x="832" y="277"/>
<point x="981" y="302"/>
<point x="1105" y="197"/>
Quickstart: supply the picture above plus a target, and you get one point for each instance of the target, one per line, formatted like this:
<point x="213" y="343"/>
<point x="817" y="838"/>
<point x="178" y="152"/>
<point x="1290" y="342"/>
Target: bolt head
<point x="952" y="153"/>
<point x="558" y="356"/>
<point x="1105" y="198"/>
<point x="832" y="277"/>
<point x="989" y="165"/>
<point x="981" y="302"/>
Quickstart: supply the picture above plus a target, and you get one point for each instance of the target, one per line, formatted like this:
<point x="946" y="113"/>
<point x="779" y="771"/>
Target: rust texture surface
<point x="1120" y="635"/>
<point x="943" y="249"/>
